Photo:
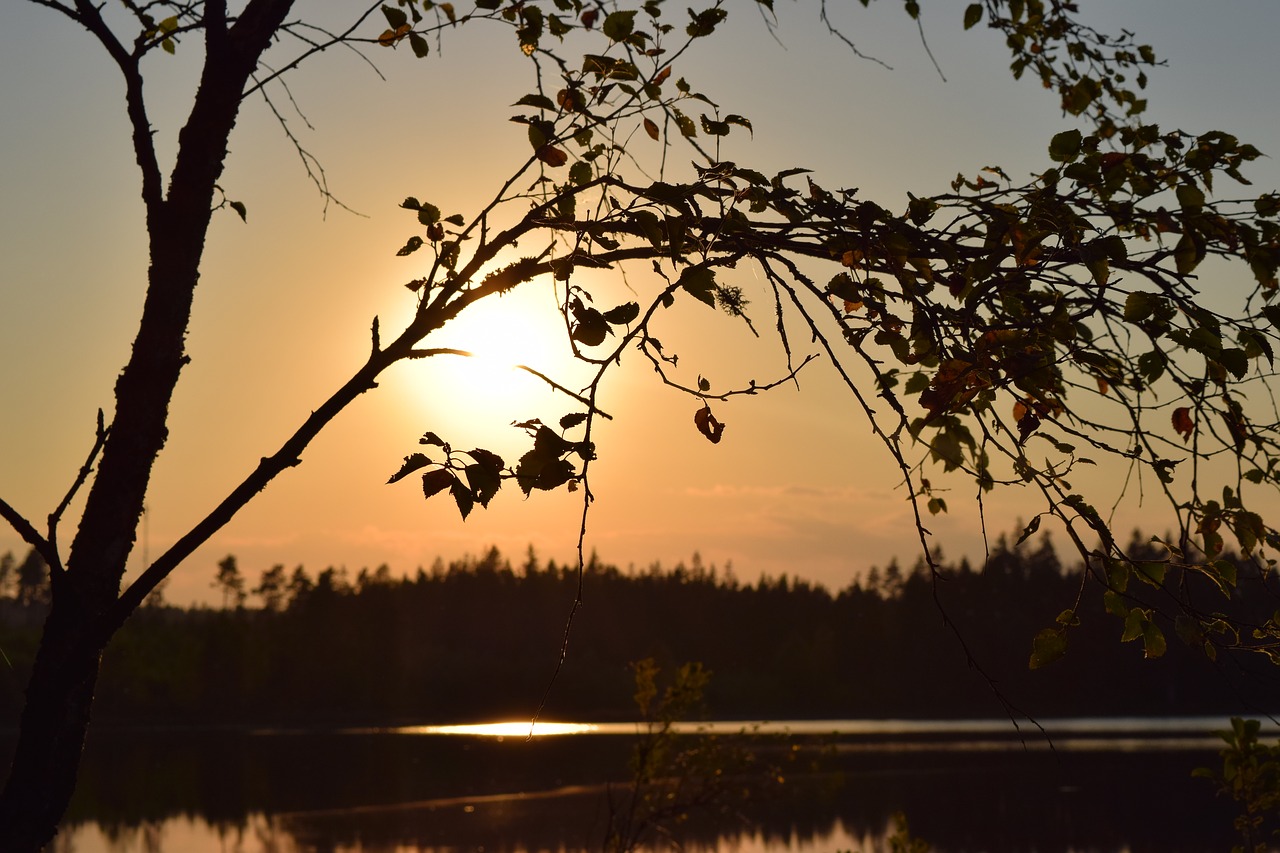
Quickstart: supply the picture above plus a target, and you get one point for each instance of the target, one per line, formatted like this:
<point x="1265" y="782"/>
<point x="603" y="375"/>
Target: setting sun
<point x="494" y="379"/>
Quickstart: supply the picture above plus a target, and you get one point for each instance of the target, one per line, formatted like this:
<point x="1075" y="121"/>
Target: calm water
<point x="1090" y="786"/>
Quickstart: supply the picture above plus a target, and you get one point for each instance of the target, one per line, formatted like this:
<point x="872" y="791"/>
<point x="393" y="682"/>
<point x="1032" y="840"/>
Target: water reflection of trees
<point x="323" y="792"/>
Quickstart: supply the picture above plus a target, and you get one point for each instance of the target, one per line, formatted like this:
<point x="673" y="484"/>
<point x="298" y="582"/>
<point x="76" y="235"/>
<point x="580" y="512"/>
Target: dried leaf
<point x="708" y="425"/>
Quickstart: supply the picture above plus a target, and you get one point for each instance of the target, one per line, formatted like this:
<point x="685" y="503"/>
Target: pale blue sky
<point x="284" y="306"/>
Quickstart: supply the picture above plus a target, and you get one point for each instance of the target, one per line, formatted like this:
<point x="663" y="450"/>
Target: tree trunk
<point x="81" y="620"/>
<point x="54" y="721"/>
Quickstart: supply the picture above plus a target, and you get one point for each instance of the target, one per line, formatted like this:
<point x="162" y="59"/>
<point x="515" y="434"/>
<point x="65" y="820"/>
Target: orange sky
<point x="283" y="311"/>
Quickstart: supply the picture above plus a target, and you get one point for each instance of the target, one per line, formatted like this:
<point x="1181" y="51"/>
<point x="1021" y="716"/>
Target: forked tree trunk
<point x="84" y="611"/>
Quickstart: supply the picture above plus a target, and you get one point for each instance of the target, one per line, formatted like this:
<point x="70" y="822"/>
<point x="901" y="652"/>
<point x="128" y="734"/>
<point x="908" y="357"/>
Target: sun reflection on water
<point x="520" y="728"/>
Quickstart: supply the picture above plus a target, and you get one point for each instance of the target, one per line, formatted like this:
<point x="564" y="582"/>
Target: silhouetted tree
<point x="230" y="582"/>
<point x="981" y="319"/>
<point x="33" y="580"/>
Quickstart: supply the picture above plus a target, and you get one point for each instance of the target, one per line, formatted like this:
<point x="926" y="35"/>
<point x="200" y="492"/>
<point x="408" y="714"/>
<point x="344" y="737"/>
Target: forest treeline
<point x="479" y="638"/>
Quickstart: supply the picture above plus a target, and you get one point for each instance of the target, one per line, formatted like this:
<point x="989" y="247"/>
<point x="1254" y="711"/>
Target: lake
<point x="1081" y="786"/>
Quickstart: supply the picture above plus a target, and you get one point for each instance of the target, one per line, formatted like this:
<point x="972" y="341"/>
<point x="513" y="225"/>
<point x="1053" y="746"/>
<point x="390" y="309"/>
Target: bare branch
<point x="100" y="439"/>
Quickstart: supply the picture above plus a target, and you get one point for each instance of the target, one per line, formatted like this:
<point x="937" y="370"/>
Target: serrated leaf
<point x="428" y="214"/>
<point x="410" y="247"/>
<point x="622" y="314"/>
<point x="484" y="481"/>
<point x="572" y="419"/>
<point x="619" y="25"/>
<point x="396" y="18"/>
<point x="1139" y="306"/>
<point x="537" y="101"/>
<point x="1048" y="646"/>
<point x="1065" y="146"/>
<point x="412" y="462"/>
<point x="434" y="482"/>
<point x="463" y="498"/>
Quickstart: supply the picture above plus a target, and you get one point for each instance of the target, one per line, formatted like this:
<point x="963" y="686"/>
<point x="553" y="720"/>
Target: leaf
<point x="428" y="214"/>
<point x="651" y="128"/>
<point x="580" y="172"/>
<point x="619" y="25"/>
<point x="1190" y="197"/>
<point x="421" y="48"/>
<point x="1028" y="531"/>
<point x="708" y="425"/>
<point x="412" y="463"/>
<point x="1183" y="423"/>
<point x="432" y="439"/>
<point x="700" y="282"/>
<point x="1139" y="306"/>
<point x="1048" y="646"/>
<point x="1065" y="146"/>
<point x="972" y="15"/>
<point x="622" y="314"/>
<point x="740" y="121"/>
<point x="410" y="247"/>
<point x="711" y="127"/>
<point x="238" y="207"/>
<point x="571" y="420"/>
<point x="396" y="18"/>
<point x="434" y="482"/>
<point x="1187" y="254"/>
<point x="463" y="498"/>
<point x="591" y="327"/>
<point x="539" y="101"/>
<point x="704" y="23"/>
<point x="542" y="467"/>
<point x="1151" y="572"/>
<point x="552" y="156"/>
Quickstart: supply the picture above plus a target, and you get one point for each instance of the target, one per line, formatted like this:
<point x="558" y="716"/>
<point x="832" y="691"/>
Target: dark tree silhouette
<point x="978" y="330"/>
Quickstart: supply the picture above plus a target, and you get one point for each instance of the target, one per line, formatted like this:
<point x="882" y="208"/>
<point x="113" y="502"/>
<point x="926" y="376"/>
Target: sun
<point x="508" y="341"/>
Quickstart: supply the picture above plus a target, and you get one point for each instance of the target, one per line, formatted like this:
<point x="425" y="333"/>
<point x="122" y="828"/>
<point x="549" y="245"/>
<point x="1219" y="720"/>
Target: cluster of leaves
<point x="1088" y="69"/>
<point x="475" y="476"/>
<point x="676" y="774"/>
<point x="1250" y="775"/>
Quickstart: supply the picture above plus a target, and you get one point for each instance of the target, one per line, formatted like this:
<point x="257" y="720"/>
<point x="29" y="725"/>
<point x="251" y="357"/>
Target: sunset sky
<point x="285" y="302"/>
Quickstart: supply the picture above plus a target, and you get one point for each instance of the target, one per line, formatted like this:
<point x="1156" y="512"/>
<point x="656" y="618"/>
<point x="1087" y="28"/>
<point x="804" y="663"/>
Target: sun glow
<point x="511" y="351"/>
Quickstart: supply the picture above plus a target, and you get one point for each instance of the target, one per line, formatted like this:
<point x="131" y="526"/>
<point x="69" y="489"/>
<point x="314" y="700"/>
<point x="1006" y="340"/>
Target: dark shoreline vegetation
<point x="478" y="639"/>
